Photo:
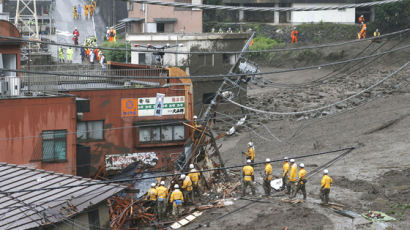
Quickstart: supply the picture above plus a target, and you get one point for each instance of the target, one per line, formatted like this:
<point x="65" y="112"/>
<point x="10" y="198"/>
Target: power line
<point x="323" y="107"/>
<point x="173" y="174"/>
<point x="263" y="9"/>
<point x="209" y="76"/>
<point x="208" y="52"/>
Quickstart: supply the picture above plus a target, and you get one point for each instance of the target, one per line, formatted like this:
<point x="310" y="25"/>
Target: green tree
<point x="116" y="55"/>
<point x="392" y="17"/>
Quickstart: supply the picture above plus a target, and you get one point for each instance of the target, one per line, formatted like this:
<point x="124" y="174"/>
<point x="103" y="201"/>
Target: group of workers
<point x="292" y="180"/>
<point x="88" y="9"/>
<point x="363" y="30"/>
<point x="63" y="53"/>
<point x="158" y="196"/>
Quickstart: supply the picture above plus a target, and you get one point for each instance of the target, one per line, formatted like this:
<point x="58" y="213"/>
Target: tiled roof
<point x="31" y="198"/>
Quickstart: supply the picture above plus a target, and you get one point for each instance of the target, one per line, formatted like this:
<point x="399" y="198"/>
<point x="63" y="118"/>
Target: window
<point x="90" y="130"/>
<point x="141" y="58"/>
<point x="130" y="6"/>
<point x="160" y="27"/>
<point x="54" y="145"/>
<point x="166" y="133"/>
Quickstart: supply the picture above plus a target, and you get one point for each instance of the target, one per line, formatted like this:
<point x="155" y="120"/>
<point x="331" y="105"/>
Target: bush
<point x="116" y="55"/>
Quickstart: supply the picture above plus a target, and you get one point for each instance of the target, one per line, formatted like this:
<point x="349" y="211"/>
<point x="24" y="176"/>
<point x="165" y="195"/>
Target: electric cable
<point x="263" y="9"/>
<point x="322" y="107"/>
<point x="173" y="174"/>
<point x="209" y="52"/>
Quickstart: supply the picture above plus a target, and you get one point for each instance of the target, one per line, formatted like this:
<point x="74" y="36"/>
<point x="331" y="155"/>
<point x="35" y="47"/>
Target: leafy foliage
<point x="392" y="17"/>
<point x="116" y="55"/>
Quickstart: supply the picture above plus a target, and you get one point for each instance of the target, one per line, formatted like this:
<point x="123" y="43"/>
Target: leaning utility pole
<point x="26" y="18"/>
<point x="207" y="116"/>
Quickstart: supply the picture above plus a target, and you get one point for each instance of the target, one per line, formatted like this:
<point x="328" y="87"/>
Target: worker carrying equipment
<point x="177" y="199"/>
<point x="194" y="176"/>
<point x="248" y="178"/>
<point x="301" y="181"/>
<point x="152" y="197"/>
<point x="294" y="35"/>
<point x="362" y="33"/>
<point x="187" y="188"/>
<point x="292" y="177"/>
<point x="268" y="177"/>
<point x="285" y="173"/>
<point x="250" y="154"/>
<point x="162" y="195"/>
<point x="325" y="187"/>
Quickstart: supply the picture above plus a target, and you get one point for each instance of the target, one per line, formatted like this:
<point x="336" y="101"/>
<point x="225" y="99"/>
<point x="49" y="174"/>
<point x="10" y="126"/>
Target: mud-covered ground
<point x="375" y="176"/>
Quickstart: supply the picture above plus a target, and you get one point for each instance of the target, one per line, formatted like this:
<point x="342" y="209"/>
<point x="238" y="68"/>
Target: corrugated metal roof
<point x="31" y="198"/>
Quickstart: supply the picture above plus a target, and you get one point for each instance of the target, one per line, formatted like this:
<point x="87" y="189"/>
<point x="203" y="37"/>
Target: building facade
<point x="9" y="49"/>
<point x="146" y="18"/>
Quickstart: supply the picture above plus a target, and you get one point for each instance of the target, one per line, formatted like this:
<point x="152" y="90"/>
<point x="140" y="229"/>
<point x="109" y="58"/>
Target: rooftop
<point x="31" y="198"/>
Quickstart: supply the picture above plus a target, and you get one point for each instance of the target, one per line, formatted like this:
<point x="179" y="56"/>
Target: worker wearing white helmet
<point x="177" y="199"/>
<point x="194" y="176"/>
<point x="162" y="200"/>
<point x="248" y="177"/>
<point x="268" y="177"/>
<point x="325" y="187"/>
<point x="187" y="188"/>
<point x="250" y="154"/>
<point x="152" y="197"/>
<point x="285" y="173"/>
<point x="293" y="172"/>
<point x="301" y="181"/>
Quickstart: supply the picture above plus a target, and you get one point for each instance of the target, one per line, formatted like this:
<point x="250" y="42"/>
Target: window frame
<point x="160" y="141"/>
<point x="54" y="139"/>
<point x="87" y="132"/>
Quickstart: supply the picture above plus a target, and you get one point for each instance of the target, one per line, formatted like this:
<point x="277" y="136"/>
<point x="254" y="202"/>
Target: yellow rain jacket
<point x="302" y="175"/>
<point x="152" y="194"/>
<point x="268" y="171"/>
<point x="187" y="184"/>
<point x="247" y="172"/>
<point x="176" y="197"/>
<point x="285" y="168"/>
<point x="326" y="181"/>
<point x="251" y="153"/>
<point x="293" y="173"/>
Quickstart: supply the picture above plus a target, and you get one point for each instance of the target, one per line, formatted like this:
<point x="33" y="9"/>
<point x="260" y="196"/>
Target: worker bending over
<point x="248" y="178"/>
<point x="294" y="35"/>
<point x="152" y="197"/>
<point x="187" y="188"/>
<point x="285" y="173"/>
<point x="194" y="176"/>
<point x="268" y="177"/>
<point x="325" y="187"/>
<point x="177" y="199"/>
<point x="292" y="177"/>
<point x="376" y="33"/>
<point x="250" y="154"/>
<point x="301" y="181"/>
<point x="162" y="195"/>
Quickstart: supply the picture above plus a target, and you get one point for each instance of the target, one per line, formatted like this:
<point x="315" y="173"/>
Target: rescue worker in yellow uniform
<point x="325" y="187"/>
<point x="75" y="14"/>
<point x="162" y="195"/>
<point x="187" y="188"/>
<point x="152" y="197"/>
<point x="194" y="176"/>
<point x="86" y="11"/>
<point x="268" y="177"/>
<point x="248" y="178"/>
<point x="177" y="199"/>
<point x="293" y="173"/>
<point x="285" y="173"/>
<point x="301" y="181"/>
<point x="250" y="154"/>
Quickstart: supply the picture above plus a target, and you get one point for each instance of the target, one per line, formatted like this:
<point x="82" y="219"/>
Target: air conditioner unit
<point x="13" y="88"/>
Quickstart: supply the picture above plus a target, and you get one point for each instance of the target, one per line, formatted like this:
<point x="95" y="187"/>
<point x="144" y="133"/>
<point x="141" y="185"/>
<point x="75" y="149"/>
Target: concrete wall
<point x="346" y="16"/>
<point x="189" y="21"/>
<point x="22" y="121"/>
